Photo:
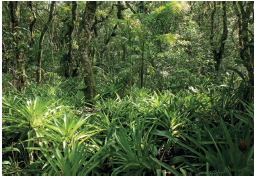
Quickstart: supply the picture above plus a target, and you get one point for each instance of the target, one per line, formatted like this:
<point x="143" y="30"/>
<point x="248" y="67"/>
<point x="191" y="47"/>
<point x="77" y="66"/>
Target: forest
<point x="128" y="88"/>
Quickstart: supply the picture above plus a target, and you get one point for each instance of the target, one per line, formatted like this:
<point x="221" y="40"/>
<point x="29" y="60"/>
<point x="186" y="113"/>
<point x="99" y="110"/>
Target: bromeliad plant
<point x="172" y="112"/>
<point x="24" y="117"/>
<point x="225" y="152"/>
<point x="130" y="150"/>
<point x="25" y="114"/>
<point x="72" y="159"/>
<point x="68" y="128"/>
<point x="247" y="117"/>
<point x="67" y="145"/>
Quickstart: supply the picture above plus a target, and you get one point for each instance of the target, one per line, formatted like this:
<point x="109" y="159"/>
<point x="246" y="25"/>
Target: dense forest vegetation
<point x="156" y="88"/>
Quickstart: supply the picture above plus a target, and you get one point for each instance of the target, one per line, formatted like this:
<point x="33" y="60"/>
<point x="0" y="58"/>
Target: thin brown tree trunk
<point x="142" y="66"/>
<point x="18" y="74"/>
<point x="84" y="40"/>
<point x="31" y="25"/>
<point x="218" y="55"/>
<point x="52" y="52"/>
<point x="70" y="24"/>
<point x="46" y="26"/>
<point x="239" y="30"/>
<point x="74" y="7"/>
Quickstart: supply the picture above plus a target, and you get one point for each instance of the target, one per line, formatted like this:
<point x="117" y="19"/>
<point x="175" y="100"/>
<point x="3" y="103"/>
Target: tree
<point x="244" y="35"/>
<point x="66" y="39"/>
<point x="218" y="51"/>
<point x="84" y="38"/>
<point x="46" y="26"/>
<point x="32" y="24"/>
<point x="18" y="73"/>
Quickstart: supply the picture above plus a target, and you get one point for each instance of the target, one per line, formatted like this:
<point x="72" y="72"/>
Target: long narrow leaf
<point x="169" y="168"/>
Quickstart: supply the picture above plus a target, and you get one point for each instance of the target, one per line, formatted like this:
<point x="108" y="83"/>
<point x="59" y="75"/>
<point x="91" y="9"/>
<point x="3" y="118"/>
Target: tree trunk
<point x="68" y="62"/>
<point x="46" y="26"/>
<point x="245" y="39"/>
<point x="84" y="40"/>
<point x="18" y="74"/>
<point x="218" y="55"/>
<point x="51" y="36"/>
<point x="31" y="25"/>
<point x="142" y="66"/>
<point x="239" y="30"/>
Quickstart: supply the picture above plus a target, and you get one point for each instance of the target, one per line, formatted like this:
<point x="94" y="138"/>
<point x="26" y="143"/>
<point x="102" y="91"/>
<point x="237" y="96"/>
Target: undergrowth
<point x="206" y="130"/>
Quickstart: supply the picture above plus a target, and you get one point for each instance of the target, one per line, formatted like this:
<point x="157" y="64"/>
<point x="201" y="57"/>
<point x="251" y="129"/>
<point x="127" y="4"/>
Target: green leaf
<point x="122" y="140"/>
<point x="51" y="161"/>
<point x="87" y="168"/>
<point x="87" y="135"/>
<point x="237" y="71"/>
<point x="237" y="61"/>
<point x="6" y="162"/>
<point x="67" y="167"/>
<point x="251" y="153"/>
<point x="158" y="172"/>
<point x="7" y="149"/>
<point x="110" y="130"/>
<point x="79" y="124"/>
<point x="166" y="166"/>
<point x="168" y="134"/>
<point x="183" y="172"/>
<point x="218" y="151"/>
<point x="183" y="70"/>
<point x="178" y="159"/>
